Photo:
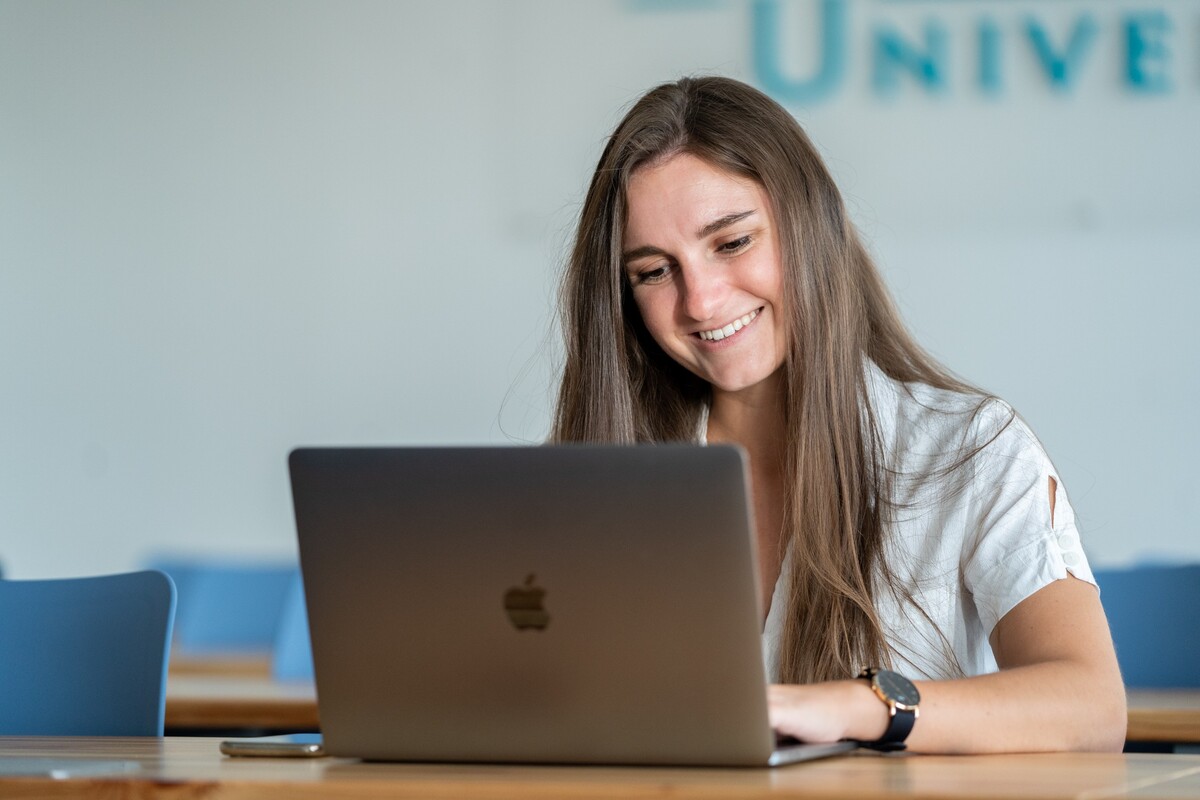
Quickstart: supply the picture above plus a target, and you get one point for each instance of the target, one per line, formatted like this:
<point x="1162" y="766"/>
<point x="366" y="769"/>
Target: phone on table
<point x="292" y="745"/>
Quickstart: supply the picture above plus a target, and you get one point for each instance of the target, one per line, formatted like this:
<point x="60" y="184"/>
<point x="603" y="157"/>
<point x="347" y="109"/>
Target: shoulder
<point x="939" y="445"/>
<point x="916" y="418"/>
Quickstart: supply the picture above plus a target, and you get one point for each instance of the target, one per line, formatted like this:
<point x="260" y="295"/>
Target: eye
<point x="651" y="275"/>
<point x="735" y="246"/>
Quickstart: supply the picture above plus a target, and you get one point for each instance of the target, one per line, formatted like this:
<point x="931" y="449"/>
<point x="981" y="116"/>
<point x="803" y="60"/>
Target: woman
<point x="718" y="292"/>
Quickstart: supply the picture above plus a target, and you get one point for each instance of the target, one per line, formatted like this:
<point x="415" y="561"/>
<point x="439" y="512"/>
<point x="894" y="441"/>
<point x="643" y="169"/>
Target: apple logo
<point x="523" y="604"/>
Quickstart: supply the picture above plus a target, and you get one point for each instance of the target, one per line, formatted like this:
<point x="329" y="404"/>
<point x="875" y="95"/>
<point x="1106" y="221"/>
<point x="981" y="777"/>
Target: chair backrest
<point x="1154" y="614"/>
<point x="228" y="608"/>
<point x="85" y="656"/>
<point x="292" y="659"/>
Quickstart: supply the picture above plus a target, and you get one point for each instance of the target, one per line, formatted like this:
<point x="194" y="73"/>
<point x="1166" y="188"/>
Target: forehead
<point x="685" y="192"/>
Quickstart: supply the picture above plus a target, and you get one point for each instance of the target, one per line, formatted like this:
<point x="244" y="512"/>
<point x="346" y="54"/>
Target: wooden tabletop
<point x="178" y="767"/>
<point x="237" y="702"/>
<point x="253" y="701"/>
<point x="1164" y="715"/>
<point x="208" y="664"/>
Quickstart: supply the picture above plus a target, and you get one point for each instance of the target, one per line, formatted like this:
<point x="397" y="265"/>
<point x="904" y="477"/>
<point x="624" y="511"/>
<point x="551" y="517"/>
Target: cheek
<point x="656" y="313"/>
<point x="768" y="276"/>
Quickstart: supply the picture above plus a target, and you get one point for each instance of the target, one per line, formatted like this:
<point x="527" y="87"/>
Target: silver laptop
<point x="573" y="604"/>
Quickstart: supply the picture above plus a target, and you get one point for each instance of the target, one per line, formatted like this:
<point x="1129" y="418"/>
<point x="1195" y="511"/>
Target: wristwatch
<point x="901" y="697"/>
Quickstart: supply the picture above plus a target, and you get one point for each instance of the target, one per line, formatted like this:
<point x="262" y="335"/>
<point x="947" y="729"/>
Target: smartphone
<point x="293" y="745"/>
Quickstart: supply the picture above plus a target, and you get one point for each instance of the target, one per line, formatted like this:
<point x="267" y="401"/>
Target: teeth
<point x="718" y="334"/>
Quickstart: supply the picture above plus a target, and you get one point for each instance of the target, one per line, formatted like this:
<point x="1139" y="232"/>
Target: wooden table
<point x="253" y="664"/>
<point x="236" y="703"/>
<point x="232" y="701"/>
<point x="177" y="767"/>
<point x="1164" y="715"/>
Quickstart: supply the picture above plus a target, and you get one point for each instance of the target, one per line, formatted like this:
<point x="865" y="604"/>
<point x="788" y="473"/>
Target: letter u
<point x="832" y="65"/>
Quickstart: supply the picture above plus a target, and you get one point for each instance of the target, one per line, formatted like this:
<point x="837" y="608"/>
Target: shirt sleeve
<point x="1012" y="548"/>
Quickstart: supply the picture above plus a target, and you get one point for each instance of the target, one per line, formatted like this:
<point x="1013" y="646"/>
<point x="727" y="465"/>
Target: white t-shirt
<point x="967" y="557"/>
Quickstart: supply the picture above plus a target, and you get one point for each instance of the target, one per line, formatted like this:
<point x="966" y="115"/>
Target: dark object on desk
<point x="575" y="604"/>
<point x="1154" y="614"/>
<point x="85" y="656"/>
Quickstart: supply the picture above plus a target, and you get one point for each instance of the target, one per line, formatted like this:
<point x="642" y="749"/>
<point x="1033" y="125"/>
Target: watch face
<point x="898" y="688"/>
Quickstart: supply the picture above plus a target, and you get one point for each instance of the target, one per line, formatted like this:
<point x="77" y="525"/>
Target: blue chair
<point x="85" y="656"/>
<point x="1154" y="614"/>
<point x="292" y="659"/>
<point x="228" y="608"/>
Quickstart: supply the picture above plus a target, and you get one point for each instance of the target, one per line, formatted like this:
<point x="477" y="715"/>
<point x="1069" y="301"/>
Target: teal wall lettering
<point x="767" y="57"/>
<point x="1147" y="55"/>
<point x="1062" y="67"/>
<point x="892" y="54"/>
<point x="990" y="63"/>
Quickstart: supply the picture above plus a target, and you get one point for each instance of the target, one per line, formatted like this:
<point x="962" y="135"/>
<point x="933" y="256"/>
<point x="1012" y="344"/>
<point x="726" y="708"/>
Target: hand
<point x="827" y="712"/>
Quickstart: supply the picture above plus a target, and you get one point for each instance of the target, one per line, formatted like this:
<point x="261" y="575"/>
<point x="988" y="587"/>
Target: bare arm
<point x="1058" y="688"/>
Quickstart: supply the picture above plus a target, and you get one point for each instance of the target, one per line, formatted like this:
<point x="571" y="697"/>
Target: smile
<point x="729" y="330"/>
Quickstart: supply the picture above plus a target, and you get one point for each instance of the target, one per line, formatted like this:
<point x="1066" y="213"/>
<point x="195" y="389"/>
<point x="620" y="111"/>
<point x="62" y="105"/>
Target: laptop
<point x="567" y="604"/>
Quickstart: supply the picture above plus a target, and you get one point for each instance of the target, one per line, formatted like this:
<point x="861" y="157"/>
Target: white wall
<point x="228" y="228"/>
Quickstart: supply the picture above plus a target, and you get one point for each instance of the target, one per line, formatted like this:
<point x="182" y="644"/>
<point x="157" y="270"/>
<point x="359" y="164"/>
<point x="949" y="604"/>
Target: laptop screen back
<point x="571" y="604"/>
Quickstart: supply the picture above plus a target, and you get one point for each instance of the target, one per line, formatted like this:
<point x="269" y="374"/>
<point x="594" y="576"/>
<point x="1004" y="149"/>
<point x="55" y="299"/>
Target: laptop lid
<point x="557" y="604"/>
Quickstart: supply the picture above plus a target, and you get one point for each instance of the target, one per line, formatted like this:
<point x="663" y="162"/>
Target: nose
<point x="704" y="291"/>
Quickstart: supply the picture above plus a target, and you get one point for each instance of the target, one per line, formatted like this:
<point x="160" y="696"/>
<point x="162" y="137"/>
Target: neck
<point x="752" y="418"/>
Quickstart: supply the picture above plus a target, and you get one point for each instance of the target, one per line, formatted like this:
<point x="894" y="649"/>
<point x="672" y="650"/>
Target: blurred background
<point x="231" y="228"/>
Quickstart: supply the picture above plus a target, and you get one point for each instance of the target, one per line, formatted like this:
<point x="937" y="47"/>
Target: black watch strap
<point x="901" y="719"/>
<point x="899" y="726"/>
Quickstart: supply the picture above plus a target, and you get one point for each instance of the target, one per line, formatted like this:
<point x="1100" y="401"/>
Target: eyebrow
<point x="723" y="222"/>
<point x="707" y="230"/>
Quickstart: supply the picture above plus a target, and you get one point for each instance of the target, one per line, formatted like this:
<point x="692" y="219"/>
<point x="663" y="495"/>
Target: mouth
<point x="717" y="334"/>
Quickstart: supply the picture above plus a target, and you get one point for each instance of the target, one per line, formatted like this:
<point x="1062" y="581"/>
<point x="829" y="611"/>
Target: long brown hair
<point x="619" y="387"/>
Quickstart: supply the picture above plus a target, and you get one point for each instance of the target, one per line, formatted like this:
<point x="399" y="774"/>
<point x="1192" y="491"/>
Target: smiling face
<point x="702" y="255"/>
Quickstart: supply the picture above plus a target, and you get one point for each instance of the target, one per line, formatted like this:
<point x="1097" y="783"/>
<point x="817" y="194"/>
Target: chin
<point x="732" y="384"/>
